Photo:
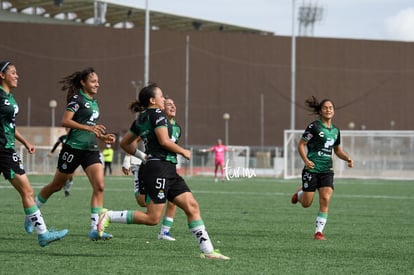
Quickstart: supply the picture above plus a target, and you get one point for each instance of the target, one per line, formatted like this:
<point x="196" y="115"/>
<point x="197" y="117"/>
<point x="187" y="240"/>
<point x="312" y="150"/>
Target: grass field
<point x="370" y="230"/>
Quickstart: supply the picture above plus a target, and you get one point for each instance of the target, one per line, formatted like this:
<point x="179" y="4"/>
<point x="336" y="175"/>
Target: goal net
<point x="39" y="162"/>
<point x="202" y="163"/>
<point x="376" y="154"/>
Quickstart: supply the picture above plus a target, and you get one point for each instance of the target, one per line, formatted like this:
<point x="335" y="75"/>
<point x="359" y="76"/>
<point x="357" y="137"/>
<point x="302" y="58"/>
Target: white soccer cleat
<point x="165" y="236"/>
<point x="103" y="221"/>
<point x="215" y="254"/>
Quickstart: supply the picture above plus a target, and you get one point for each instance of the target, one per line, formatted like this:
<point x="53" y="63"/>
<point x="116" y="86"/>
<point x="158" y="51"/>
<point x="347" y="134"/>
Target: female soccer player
<point x="219" y="151"/>
<point x="319" y="138"/>
<point x="81" y="147"/>
<point x="134" y="164"/>
<point x="160" y="178"/>
<point x="10" y="163"/>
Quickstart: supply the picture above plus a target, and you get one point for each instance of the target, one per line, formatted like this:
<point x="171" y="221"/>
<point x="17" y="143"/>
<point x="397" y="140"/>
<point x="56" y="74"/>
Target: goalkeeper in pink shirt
<point x="219" y="151"/>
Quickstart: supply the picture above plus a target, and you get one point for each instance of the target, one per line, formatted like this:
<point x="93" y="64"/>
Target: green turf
<point x="370" y="230"/>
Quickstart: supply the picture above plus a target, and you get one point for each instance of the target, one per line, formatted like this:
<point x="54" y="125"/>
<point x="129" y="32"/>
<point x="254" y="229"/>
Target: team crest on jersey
<point x="161" y="195"/>
<point x="321" y="134"/>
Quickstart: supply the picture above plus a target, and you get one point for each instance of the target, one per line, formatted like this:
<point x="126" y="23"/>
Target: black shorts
<point x="10" y="164"/>
<point x="161" y="181"/>
<point x="141" y="188"/>
<point x="138" y="185"/>
<point x="312" y="181"/>
<point x="70" y="159"/>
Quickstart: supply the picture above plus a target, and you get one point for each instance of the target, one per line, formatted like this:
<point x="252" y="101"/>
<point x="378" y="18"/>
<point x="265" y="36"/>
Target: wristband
<point x="141" y="155"/>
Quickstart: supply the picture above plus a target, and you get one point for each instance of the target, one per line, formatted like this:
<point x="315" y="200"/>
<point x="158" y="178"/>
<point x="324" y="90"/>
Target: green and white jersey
<point x="175" y="135"/>
<point x="320" y="142"/>
<point x="86" y="111"/>
<point x="145" y="125"/>
<point x="8" y="113"/>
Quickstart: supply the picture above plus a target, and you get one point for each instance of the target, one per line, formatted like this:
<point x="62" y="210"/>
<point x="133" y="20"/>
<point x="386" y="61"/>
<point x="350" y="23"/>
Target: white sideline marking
<point x="289" y="194"/>
<point x="37" y="185"/>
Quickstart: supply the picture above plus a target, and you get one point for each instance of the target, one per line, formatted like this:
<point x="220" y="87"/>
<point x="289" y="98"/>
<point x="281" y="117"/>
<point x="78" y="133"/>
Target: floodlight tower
<point x="99" y="12"/>
<point x="309" y="14"/>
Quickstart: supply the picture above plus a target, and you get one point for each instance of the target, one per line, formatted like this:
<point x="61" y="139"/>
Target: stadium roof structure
<point x="106" y="13"/>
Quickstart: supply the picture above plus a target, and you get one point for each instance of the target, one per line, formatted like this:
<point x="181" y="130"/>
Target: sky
<point x="351" y="19"/>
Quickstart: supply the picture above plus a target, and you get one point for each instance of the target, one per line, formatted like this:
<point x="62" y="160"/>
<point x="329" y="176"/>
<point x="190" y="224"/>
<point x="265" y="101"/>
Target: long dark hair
<point x="72" y="83"/>
<point x="143" y="100"/>
<point x="316" y="106"/>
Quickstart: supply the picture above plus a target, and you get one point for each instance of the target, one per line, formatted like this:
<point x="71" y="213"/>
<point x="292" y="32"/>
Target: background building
<point x="242" y="72"/>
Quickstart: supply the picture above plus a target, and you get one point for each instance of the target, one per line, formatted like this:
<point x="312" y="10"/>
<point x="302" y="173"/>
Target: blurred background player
<point x="219" y="151"/>
<point x="69" y="182"/>
<point x="108" y="157"/>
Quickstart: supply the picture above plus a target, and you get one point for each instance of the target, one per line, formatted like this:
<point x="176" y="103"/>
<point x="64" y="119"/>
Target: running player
<point x="10" y="163"/>
<point x="315" y="148"/>
<point x="161" y="181"/>
<point x="81" y="147"/>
